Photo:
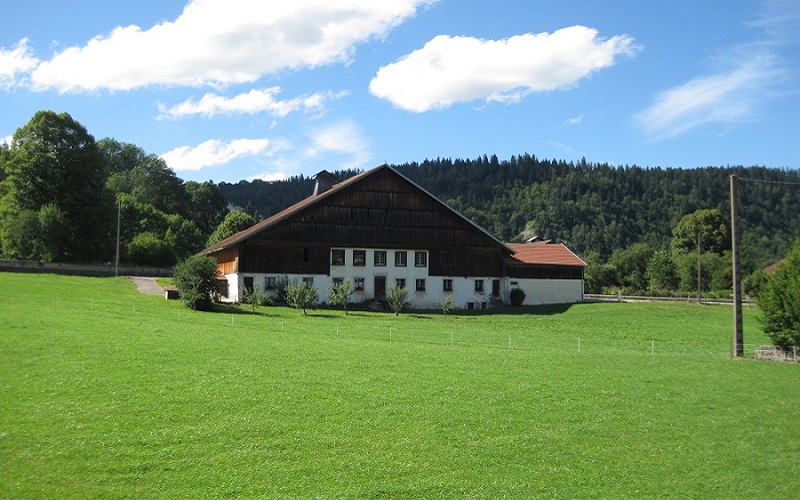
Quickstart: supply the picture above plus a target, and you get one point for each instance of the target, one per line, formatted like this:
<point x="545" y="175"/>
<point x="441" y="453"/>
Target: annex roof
<point x="311" y="200"/>
<point x="544" y="253"/>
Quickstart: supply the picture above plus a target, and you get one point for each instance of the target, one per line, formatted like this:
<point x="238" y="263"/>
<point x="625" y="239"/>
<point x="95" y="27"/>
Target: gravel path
<point x="147" y="285"/>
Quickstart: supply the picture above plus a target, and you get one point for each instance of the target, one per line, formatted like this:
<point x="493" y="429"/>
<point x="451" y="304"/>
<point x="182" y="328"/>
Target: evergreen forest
<point x="638" y="229"/>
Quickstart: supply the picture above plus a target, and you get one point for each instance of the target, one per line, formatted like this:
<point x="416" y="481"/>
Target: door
<point x="495" y="288"/>
<point x="380" y="287"/>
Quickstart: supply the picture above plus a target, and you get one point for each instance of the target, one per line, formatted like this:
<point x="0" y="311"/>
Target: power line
<point x="762" y="181"/>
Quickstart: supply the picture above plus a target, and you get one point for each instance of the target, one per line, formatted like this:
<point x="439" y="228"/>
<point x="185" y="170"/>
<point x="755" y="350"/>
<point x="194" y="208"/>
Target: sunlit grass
<point x="107" y="392"/>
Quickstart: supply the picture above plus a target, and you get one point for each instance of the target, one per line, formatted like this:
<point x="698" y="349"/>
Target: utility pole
<point x="699" y="264"/>
<point x="116" y="259"/>
<point x="738" y="338"/>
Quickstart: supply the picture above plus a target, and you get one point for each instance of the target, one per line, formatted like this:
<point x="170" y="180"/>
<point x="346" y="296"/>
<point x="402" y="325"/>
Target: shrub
<point x="448" y="303"/>
<point x="196" y="280"/>
<point x="255" y="297"/>
<point x="148" y="249"/>
<point x="301" y="296"/>
<point x="340" y="294"/>
<point x="517" y="296"/>
<point x="396" y="297"/>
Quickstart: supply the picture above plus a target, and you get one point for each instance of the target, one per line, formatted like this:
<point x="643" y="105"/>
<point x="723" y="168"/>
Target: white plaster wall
<point x="538" y="291"/>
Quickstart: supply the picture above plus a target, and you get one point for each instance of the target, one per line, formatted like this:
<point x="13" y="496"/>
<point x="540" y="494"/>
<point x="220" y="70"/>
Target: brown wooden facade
<point x="376" y="209"/>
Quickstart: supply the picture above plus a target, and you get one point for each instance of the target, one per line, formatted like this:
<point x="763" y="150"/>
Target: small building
<point x="378" y="228"/>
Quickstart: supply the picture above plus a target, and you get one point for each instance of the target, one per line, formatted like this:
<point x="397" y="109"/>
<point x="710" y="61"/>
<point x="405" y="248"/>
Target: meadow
<point x="108" y="393"/>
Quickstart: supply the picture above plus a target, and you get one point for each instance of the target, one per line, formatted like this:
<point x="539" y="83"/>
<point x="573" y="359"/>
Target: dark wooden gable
<point x="380" y="209"/>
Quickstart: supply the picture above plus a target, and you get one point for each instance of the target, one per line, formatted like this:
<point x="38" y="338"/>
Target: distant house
<point x="380" y="228"/>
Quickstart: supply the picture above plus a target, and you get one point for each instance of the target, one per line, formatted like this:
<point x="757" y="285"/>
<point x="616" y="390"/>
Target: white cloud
<point x="270" y="177"/>
<point x="343" y="138"/>
<point x="221" y="42"/>
<point x="725" y="97"/>
<point x="6" y="140"/>
<point x="213" y="153"/>
<point x="576" y="120"/>
<point x="15" y="63"/>
<point x="449" y="69"/>
<point x="255" y="101"/>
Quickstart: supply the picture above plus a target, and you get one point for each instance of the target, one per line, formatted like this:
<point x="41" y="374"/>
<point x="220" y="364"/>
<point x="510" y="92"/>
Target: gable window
<point x="359" y="257"/>
<point x="400" y="282"/>
<point x="447" y="285"/>
<point x="400" y="259"/>
<point x="337" y="257"/>
<point x="380" y="258"/>
<point x="270" y="283"/>
<point x="420" y="285"/>
<point x="358" y="284"/>
<point x="420" y="259"/>
<point x="478" y="286"/>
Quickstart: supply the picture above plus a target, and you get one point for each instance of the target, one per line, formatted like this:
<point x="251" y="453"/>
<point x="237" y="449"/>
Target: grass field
<point x="108" y="393"/>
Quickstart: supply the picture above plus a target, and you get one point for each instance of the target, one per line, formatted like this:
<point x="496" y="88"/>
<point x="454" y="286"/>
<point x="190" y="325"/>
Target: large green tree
<point x="54" y="161"/>
<point x="235" y="221"/>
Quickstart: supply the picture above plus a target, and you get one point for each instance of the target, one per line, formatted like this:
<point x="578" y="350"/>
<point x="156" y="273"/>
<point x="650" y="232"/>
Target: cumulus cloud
<point x="214" y="153"/>
<point x="449" y="70"/>
<point x="255" y="101"/>
<point x="222" y="42"/>
<point x="15" y="63"/>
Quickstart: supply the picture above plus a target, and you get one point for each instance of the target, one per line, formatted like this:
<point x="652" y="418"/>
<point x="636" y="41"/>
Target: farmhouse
<point x="379" y="228"/>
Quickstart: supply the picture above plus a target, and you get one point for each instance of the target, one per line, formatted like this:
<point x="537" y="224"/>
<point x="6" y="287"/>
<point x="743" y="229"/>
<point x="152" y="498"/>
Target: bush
<point x="301" y="296"/>
<point x="255" y="297"/>
<point x="196" y="281"/>
<point x="517" y="296"/>
<point x="448" y="303"/>
<point x="340" y="294"/>
<point x="397" y="297"/>
<point x="147" y="249"/>
<point x="780" y="302"/>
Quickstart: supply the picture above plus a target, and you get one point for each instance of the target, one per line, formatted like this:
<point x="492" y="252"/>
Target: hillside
<point x="590" y="207"/>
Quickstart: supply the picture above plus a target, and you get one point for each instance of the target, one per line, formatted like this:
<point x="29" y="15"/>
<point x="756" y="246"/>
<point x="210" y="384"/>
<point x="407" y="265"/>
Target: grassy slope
<point x="106" y="392"/>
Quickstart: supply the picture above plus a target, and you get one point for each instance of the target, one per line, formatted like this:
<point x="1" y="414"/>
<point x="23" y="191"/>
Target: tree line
<point x="62" y="192"/>
<point x="617" y="218"/>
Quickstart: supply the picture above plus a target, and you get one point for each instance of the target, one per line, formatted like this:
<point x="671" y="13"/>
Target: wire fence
<point x="380" y="328"/>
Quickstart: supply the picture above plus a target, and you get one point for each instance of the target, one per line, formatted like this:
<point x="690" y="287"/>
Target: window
<point x="380" y="258"/>
<point x="359" y="257"/>
<point x="308" y="281"/>
<point x="420" y="259"/>
<point x="400" y="259"/>
<point x="420" y="285"/>
<point x="447" y="285"/>
<point x="338" y="281"/>
<point x="358" y="284"/>
<point x="270" y="283"/>
<point x="401" y="282"/>
<point x="337" y="257"/>
<point x="478" y="286"/>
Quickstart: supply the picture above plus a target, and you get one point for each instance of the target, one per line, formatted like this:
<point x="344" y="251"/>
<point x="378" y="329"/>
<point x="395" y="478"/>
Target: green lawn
<point x="108" y="393"/>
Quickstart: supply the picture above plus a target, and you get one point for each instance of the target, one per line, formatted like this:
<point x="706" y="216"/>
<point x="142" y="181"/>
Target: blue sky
<point x="226" y="90"/>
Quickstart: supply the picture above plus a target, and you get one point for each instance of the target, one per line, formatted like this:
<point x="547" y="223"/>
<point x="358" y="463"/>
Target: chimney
<point x="324" y="182"/>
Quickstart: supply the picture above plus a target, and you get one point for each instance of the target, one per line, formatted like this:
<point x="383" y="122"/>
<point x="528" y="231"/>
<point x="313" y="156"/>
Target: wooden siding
<point x="285" y="259"/>
<point x="227" y="261"/>
<point x="381" y="210"/>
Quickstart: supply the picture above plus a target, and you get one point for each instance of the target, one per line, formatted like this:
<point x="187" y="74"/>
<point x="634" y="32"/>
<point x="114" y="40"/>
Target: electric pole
<point x="738" y="338"/>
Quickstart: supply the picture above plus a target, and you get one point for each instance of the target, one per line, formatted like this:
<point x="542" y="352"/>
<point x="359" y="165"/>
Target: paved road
<point x="147" y="285"/>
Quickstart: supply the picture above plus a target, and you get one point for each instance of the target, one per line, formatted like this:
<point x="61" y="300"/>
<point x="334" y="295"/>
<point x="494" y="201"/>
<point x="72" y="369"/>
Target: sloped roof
<point x="544" y="253"/>
<point x="311" y="200"/>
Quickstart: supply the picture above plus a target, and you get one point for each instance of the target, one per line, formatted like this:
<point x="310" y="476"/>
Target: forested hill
<point x="590" y="207"/>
